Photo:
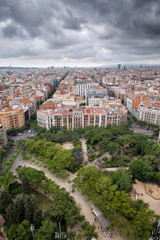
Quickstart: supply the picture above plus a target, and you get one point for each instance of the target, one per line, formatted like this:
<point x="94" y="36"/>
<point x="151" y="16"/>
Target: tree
<point x="123" y="226"/>
<point x="62" y="159"/>
<point x="123" y="180"/>
<point x="46" y="231"/>
<point x="113" y="147"/>
<point x="6" y="178"/>
<point x="71" y="235"/>
<point x="12" y="232"/>
<point x="5" y="200"/>
<point x="64" y="209"/>
<point x="19" y="231"/>
<point x="19" y="206"/>
<point x="54" y="154"/>
<point x="157" y="177"/>
<point x="103" y="183"/>
<point x="11" y="214"/>
<point x="37" y="218"/>
<point x="105" y="133"/>
<point x="89" y="231"/>
<point x="29" y="208"/>
<point x="34" y="176"/>
<point x="26" y="186"/>
<point x="140" y="170"/>
<point x="152" y="160"/>
<point x="12" y="132"/>
<point x="103" y="145"/>
<point x="124" y="141"/>
<point x="24" y="231"/>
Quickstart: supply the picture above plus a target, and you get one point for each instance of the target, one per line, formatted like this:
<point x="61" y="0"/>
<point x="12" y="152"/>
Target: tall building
<point x="12" y="118"/>
<point x="3" y="137"/>
<point x="133" y="101"/>
<point x="119" y="66"/>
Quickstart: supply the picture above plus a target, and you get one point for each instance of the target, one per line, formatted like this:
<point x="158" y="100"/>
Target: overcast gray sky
<point x="79" y="32"/>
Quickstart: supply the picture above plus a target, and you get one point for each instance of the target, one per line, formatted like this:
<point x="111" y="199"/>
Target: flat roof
<point x="99" y="215"/>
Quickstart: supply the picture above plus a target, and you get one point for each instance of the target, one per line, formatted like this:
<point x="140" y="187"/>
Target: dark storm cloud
<point x="13" y="31"/>
<point x="72" y="22"/>
<point x="80" y="29"/>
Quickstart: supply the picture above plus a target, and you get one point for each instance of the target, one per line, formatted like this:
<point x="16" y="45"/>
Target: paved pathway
<point x="84" y="149"/>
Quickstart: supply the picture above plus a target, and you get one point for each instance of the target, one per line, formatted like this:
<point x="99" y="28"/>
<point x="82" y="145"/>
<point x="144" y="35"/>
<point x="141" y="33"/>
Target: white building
<point x="82" y="87"/>
<point x="149" y="113"/>
<point x="129" y="104"/>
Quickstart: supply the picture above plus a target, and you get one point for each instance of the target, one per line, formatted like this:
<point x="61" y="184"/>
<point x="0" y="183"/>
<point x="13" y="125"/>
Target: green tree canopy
<point x="140" y="170"/>
<point x="123" y="180"/>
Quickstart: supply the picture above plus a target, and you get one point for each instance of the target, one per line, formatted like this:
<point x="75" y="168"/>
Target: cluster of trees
<point x="6" y="178"/>
<point x="5" y="150"/>
<point x="55" y="155"/>
<point x="22" y="211"/>
<point x="105" y="138"/>
<point x="142" y="170"/>
<point x="126" y="149"/>
<point x="133" y="220"/>
<point x="52" y="154"/>
<point x="8" y="163"/>
<point x="63" y="210"/>
<point x="54" y="135"/>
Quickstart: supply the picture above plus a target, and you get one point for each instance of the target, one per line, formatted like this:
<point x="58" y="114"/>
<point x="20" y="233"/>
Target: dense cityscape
<point x="84" y="97"/>
<point x="101" y="117"/>
<point x="79" y="120"/>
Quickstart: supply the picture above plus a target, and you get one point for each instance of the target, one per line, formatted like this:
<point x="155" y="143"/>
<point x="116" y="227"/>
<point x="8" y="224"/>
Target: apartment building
<point x="109" y="102"/>
<point x="94" y="95"/>
<point x="12" y="118"/>
<point x="3" y="137"/>
<point x="81" y="117"/>
<point x="133" y="101"/>
<point x="81" y="88"/>
<point x="149" y="113"/>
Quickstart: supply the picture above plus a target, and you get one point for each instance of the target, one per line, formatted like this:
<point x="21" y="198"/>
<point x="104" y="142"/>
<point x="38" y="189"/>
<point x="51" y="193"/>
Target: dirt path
<point x="84" y="149"/>
<point x="79" y="198"/>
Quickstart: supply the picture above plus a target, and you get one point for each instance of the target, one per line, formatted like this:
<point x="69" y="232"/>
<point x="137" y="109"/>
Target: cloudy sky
<point x="79" y="32"/>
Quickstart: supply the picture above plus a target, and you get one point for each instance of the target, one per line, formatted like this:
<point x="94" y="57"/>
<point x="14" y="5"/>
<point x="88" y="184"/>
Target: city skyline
<point x="82" y="33"/>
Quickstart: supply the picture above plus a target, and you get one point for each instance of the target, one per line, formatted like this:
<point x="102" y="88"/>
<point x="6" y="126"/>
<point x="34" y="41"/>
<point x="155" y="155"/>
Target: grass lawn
<point x="41" y="201"/>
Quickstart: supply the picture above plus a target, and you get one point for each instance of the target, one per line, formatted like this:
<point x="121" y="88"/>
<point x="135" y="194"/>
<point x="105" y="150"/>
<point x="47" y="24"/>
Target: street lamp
<point x="32" y="230"/>
<point x="60" y="230"/>
<point x="60" y="235"/>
